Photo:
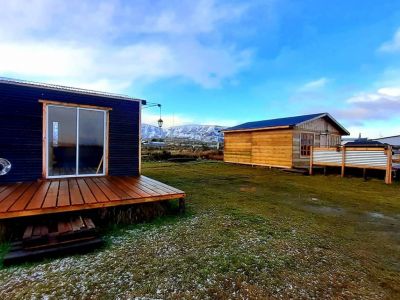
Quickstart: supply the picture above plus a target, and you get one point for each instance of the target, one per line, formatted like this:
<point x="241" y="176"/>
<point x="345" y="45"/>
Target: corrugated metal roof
<point x="364" y="142"/>
<point x="289" y="121"/>
<point x="66" y="89"/>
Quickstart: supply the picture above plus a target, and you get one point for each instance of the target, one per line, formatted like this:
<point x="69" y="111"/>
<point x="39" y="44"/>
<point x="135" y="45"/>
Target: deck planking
<point x="75" y="194"/>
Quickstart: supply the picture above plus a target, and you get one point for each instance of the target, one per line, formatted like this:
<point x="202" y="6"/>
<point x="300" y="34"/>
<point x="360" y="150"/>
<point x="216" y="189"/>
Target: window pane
<point x="61" y="128"/>
<point x="307" y="140"/>
<point x="91" y="141"/>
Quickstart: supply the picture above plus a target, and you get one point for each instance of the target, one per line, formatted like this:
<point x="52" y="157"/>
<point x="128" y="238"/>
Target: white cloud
<point x="114" y="44"/>
<point x="139" y="62"/>
<point x="314" y="84"/>
<point x="390" y="91"/>
<point x="381" y="105"/>
<point x="381" y="96"/>
<point x="393" y="45"/>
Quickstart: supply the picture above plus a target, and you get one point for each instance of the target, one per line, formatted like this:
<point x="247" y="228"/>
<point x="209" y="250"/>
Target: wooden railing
<point x="379" y="158"/>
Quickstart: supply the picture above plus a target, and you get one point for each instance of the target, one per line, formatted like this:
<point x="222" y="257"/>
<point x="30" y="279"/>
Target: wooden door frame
<point x="45" y="104"/>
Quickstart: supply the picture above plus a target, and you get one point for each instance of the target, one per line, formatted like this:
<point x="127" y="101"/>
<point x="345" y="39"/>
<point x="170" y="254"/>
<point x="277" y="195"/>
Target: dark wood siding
<point x="21" y="130"/>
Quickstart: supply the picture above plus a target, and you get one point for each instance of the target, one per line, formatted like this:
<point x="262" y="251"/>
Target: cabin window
<point x="335" y="140"/>
<point x="75" y="141"/>
<point x="307" y="140"/>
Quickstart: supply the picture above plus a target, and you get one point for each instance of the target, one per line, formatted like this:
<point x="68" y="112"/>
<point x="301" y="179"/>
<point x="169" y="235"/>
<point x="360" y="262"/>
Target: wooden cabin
<point x="71" y="150"/>
<point x="283" y="143"/>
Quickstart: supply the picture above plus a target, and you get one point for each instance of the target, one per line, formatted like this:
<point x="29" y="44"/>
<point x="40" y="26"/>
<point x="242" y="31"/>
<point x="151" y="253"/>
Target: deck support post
<point x="388" y="177"/>
<point x="311" y="160"/>
<point x="343" y="160"/>
<point x="182" y="205"/>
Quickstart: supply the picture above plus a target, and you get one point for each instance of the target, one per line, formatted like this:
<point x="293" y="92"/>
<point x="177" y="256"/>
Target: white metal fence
<point x="354" y="157"/>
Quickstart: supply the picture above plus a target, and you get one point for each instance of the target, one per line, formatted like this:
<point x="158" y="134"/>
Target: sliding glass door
<point x="90" y="141"/>
<point x="75" y="141"/>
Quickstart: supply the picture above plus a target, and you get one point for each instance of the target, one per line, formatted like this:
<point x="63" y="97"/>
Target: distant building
<point x="362" y="142"/>
<point x="391" y="140"/>
<point x="284" y="142"/>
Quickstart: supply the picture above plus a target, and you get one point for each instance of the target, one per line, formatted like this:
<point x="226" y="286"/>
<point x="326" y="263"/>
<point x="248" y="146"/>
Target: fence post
<point x="311" y="159"/>
<point x="343" y="160"/>
<point x="388" y="177"/>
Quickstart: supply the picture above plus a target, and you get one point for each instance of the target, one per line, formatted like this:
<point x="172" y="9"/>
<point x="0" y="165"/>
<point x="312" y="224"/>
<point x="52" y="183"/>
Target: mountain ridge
<point x="194" y="132"/>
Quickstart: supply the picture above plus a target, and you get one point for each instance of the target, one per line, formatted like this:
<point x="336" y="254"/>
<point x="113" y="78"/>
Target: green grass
<point x="247" y="233"/>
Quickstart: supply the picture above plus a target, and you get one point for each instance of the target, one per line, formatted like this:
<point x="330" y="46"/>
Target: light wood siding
<point x="267" y="148"/>
<point x="277" y="147"/>
<point x="238" y="147"/>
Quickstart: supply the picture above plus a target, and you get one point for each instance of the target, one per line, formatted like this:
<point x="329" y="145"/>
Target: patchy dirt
<point x="238" y="257"/>
<point x="326" y="210"/>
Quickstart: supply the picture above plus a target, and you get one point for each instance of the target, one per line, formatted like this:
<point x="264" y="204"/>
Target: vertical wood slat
<point x="96" y="191"/>
<point x="155" y="188"/>
<point x="75" y="193"/>
<point x="164" y="188"/>
<point x="87" y="195"/>
<point x="3" y="187"/>
<point x="177" y="191"/>
<point x="14" y="196"/>
<point x="63" y="195"/>
<point x="135" y="182"/>
<point x="37" y="199"/>
<point x="131" y="187"/>
<point x="51" y="197"/>
<point x="106" y="190"/>
<point x="23" y="201"/>
<point x="6" y="192"/>
<point x="122" y="194"/>
<point x="125" y="188"/>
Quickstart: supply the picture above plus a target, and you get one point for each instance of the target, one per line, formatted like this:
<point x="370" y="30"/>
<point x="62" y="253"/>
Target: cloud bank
<point x="112" y="45"/>
<point x="392" y="45"/>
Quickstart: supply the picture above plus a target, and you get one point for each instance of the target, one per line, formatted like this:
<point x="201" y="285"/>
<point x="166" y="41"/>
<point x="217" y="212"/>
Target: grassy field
<point x="248" y="233"/>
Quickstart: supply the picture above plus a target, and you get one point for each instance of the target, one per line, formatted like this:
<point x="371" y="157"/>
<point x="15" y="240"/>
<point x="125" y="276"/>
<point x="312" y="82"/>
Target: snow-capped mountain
<point x="152" y="132"/>
<point x="204" y="133"/>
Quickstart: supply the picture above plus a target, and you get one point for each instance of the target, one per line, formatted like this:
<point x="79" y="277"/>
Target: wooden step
<point x="20" y="255"/>
<point x="41" y="235"/>
<point x="65" y="236"/>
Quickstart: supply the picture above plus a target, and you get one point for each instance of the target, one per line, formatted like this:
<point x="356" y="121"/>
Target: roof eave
<point x="67" y="89"/>
<point x="257" y="129"/>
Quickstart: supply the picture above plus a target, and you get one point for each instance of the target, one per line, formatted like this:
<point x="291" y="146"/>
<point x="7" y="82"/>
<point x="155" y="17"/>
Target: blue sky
<point x="217" y="62"/>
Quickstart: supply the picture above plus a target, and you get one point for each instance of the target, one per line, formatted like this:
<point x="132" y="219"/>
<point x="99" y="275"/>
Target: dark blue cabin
<point x="49" y="131"/>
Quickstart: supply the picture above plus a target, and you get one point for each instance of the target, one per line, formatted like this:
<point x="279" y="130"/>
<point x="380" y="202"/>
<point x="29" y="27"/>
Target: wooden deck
<point x="75" y="194"/>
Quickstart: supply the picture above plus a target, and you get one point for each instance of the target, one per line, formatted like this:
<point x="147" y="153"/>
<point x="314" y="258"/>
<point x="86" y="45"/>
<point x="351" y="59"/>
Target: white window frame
<point x="105" y="139"/>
